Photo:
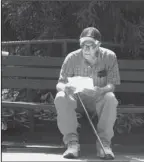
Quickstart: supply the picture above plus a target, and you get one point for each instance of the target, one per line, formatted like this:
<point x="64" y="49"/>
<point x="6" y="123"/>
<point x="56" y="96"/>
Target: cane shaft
<point x="91" y="123"/>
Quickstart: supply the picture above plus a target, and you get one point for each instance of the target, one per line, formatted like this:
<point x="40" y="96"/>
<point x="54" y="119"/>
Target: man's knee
<point x="110" y="96"/>
<point x="62" y="101"/>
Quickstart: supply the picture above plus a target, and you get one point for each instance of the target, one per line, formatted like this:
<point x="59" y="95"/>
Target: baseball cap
<point x="90" y="34"/>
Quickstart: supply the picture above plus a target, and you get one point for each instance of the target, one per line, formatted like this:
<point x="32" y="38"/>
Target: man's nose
<point x="87" y="48"/>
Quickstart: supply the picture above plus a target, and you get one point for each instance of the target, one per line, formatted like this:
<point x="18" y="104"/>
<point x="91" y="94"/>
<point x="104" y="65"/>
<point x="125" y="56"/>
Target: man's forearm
<point x="108" y="88"/>
<point x="60" y="86"/>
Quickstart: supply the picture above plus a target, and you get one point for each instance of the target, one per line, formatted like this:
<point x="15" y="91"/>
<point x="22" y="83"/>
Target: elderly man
<point x="101" y="65"/>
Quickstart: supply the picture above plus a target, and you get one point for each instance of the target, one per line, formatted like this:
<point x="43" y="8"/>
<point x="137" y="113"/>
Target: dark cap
<point x="91" y="32"/>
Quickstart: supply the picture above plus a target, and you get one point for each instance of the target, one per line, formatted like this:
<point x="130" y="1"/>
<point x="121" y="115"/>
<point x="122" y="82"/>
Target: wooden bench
<point x="42" y="73"/>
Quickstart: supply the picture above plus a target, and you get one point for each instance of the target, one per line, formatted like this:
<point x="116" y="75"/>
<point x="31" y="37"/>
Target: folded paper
<point x="81" y="83"/>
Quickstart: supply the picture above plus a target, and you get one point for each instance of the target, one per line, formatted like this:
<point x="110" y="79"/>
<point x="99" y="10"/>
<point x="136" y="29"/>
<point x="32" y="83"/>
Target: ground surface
<point x="45" y="144"/>
<point x="49" y="153"/>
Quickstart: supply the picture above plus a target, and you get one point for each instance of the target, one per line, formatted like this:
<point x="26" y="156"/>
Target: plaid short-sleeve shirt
<point x="103" y="72"/>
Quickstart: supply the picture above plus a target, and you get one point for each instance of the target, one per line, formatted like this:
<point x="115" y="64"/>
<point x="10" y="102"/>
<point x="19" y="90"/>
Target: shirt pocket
<point x="102" y="73"/>
<point x="101" y="77"/>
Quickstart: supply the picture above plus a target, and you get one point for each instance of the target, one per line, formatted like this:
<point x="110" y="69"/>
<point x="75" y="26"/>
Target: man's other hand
<point x="99" y="92"/>
<point x="96" y="92"/>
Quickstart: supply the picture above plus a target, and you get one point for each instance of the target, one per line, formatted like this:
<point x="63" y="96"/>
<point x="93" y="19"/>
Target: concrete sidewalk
<point x="33" y="152"/>
<point x="45" y="144"/>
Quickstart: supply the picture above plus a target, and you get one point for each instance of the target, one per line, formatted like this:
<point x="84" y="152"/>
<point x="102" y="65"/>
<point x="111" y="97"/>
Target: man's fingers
<point x="89" y="92"/>
<point x="69" y="90"/>
<point x="73" y="88"/>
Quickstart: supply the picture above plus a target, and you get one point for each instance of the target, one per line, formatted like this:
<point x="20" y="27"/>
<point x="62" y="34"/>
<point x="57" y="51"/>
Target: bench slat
<point x="29" y="83"/>
<point x="130" y="87"/>
<point x="34" y="106"/>
<point x="30" y="72"/>
<point x="131" y="110"/>
<point x="132" y="76"/>
<point x="54" y="73"/>
<point x="32" y="61"/>
<point x="27" y="105"/>
<point x="51" y="85"/>
<point x="57" y="61"/>
<point x="131" y="64"/>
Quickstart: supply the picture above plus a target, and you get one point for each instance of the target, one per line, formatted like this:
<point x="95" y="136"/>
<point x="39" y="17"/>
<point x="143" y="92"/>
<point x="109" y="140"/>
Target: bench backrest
<point x="43" y="72"/>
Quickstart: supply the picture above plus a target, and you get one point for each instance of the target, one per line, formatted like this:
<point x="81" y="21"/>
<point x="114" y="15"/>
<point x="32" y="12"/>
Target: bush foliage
<point x="119" y="22"/>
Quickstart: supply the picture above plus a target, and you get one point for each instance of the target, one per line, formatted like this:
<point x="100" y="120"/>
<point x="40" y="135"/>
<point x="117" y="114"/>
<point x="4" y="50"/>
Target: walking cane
<point x="95" y="132"/>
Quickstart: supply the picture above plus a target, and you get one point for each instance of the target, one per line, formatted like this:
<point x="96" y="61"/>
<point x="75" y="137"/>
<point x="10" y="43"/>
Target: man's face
<point x="89" y="49"/>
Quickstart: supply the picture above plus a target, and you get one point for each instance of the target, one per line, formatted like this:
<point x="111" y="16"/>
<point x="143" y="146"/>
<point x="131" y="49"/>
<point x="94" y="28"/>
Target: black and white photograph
<point x="72" y="80"/>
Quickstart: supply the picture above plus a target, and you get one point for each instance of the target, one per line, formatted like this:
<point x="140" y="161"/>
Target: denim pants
<point x="105" y="108"/>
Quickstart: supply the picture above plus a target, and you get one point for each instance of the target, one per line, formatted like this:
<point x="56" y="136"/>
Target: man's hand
<point x="96" y="92"/>
<point x="69" y="89"/>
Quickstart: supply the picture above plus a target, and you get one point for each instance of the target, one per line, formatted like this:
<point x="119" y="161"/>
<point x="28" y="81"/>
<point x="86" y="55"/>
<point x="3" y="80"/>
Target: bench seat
<point x="38" y="106"/>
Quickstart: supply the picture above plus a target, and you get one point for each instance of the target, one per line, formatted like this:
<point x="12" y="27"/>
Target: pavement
<point x="45" y="144"/>
<point x="58" y="157"/>
<point x="33" y="152"/>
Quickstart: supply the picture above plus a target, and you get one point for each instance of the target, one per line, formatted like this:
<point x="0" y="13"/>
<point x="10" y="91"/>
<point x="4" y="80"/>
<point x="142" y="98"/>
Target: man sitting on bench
<point x="101" y="65"/>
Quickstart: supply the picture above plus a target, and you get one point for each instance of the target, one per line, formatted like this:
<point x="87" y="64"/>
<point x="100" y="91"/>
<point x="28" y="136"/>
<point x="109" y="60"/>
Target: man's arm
<point x="65" y="72"/>
<point x="60" y="86"/>
<point x="113" y="76"/>
<point x="108" y="88"/>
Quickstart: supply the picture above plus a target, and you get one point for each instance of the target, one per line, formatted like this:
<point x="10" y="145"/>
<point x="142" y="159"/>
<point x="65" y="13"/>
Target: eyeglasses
<point x="90" y="46"/>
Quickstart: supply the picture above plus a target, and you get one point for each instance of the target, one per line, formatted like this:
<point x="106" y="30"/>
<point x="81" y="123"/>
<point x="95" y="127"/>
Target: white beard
<point x="91" y="59"/>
